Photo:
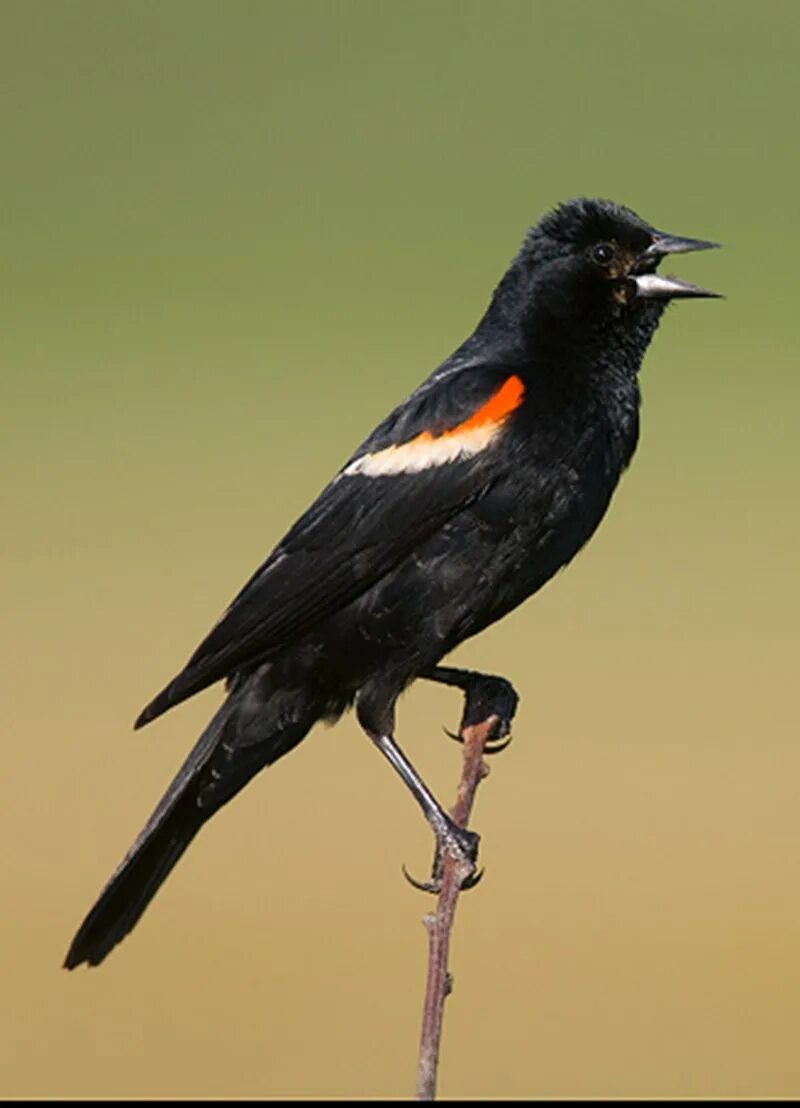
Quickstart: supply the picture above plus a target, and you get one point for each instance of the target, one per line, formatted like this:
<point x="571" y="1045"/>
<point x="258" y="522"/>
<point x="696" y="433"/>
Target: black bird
<point x="467" y="498"/>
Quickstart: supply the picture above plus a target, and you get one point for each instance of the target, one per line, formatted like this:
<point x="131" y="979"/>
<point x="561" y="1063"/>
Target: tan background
<point x="233" y="235"/>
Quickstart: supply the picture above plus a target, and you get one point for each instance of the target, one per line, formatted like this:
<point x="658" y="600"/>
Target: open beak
<point x="651" y="285"/>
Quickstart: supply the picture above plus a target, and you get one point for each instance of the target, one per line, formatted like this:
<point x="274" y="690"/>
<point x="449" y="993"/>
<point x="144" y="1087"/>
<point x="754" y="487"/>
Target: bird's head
<point x="594" y="261"/>
<point x="584" y="289"/>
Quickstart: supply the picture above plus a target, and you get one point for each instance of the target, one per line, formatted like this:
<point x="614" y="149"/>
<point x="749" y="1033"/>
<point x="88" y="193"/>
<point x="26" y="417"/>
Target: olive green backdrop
<point x="233" y="235"/>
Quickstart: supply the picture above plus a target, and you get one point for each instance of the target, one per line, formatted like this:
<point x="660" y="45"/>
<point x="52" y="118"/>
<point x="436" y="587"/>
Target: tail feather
<point x="131" y="889"/>
<point x="145" y="867"/>
<point x="250" y="730"/>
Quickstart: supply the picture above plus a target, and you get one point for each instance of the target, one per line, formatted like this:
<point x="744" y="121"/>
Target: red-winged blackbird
<point x="463" y="502"/>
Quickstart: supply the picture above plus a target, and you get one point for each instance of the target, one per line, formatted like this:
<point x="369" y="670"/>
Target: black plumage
<point x="468" y="497"/>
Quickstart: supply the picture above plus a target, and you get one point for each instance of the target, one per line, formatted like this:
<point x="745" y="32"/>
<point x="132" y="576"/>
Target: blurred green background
<point x="234" y="234"/>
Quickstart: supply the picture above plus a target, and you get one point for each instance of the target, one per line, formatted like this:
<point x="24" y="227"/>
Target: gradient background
<point x="234" y="234"/>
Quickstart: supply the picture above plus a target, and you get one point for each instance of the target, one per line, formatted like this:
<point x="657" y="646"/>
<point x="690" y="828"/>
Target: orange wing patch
<point x="431" y="449"/>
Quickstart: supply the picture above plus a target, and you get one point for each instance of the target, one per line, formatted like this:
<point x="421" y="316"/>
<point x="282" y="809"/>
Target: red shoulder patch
<point x="496" y="409"/>
<point x="429" y="449"/>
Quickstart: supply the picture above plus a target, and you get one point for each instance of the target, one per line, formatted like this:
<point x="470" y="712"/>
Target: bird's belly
<point x="475" y="569"/>
<point x="517" y="564"/>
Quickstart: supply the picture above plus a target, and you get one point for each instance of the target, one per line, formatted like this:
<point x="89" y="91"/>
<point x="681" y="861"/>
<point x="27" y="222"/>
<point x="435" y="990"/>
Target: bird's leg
<point x="450" y="838"/>
<point x="485" y="696"/>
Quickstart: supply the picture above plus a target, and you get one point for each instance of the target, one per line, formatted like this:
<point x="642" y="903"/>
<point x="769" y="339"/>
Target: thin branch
<point x="439" y="923"/>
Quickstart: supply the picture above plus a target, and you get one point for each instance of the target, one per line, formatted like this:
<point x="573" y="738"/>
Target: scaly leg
<point x="485" y="696"/>
<point x="450" y="838"/>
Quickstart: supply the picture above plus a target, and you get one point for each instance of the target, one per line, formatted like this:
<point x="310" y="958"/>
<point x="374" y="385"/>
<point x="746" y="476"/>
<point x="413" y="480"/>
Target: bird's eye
<point x="603" y="254"/>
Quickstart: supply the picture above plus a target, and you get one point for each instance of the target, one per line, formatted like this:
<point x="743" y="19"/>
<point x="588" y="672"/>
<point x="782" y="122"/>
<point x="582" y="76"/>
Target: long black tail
<point x="243" y="737"/>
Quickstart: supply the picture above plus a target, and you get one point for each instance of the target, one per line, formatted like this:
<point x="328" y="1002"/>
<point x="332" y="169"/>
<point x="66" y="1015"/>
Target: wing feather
<point x="356" y="532"/>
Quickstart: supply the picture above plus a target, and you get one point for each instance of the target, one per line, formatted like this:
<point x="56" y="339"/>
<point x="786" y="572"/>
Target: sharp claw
<point x="499" y="746"/>
<point x="472" y="881"/>
<point x="493" y="746"/>
<point x="433" y="886"/>
<point x="458" y="843"/>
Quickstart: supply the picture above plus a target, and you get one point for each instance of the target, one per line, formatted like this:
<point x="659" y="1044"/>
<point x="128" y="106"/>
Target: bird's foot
<point x="486" y="698"/>
<point x="457" y="843"/>
<point x="499" y="737"/>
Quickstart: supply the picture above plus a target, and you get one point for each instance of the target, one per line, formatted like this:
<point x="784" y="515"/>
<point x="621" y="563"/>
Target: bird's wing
<point x="418" y="468"/>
